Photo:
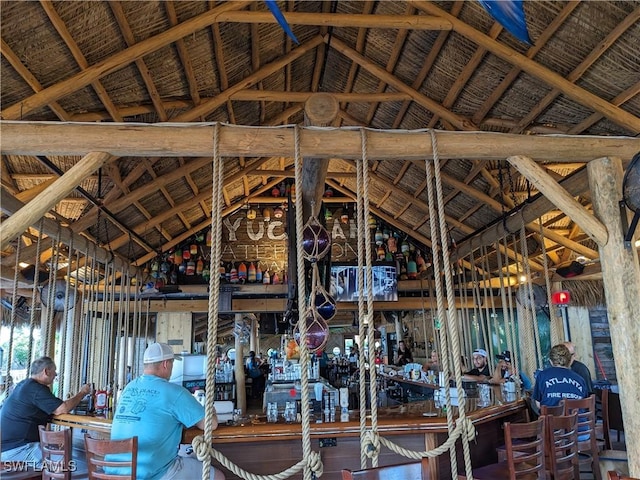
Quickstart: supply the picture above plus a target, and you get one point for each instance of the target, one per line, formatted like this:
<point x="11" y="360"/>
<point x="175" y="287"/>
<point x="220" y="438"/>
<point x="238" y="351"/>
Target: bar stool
<point x="56" y="453"/>
<point x="405" y="471"/>
<point x="96" y="451"/>
<point x="525" y="448"/>
<point x="562" y="445"/>
<point x="587" y="444"/>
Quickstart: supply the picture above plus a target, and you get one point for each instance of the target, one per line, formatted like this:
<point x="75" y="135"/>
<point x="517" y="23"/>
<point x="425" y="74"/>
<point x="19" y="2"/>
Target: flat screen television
<point x="344" y="282"/>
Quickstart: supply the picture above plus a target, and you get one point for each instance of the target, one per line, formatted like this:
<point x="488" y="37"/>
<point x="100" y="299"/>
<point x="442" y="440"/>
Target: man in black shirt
<point x="32" y="404"/>
<point x="480" y="372"/>
<point x="579" y="367"/>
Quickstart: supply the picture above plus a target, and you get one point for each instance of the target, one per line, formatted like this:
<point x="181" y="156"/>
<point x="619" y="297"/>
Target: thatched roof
<point x="153" y="61"/>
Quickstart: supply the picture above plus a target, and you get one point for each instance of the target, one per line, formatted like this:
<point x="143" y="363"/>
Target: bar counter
<point x="265" y="448"/>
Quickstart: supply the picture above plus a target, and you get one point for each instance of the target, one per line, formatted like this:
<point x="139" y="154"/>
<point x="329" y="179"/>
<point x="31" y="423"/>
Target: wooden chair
<point x="96" y="451"/>
<point x="613" y="475"/>
<point x="56" y="453"/>
<point x="611" y="416"/>
<point x="555" y="410"/>
<point x="525" y="447"/>
<point x="405" y="471"/>
<point x="588" y="446"/>
<point x="562" y="446"/>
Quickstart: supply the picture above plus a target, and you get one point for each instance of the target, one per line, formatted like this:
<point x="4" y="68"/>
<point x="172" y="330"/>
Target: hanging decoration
<point x="316" y="241"/>
<point x="317" y="331"/>
<point x="509" y="14"/>
<point x="275" y="11"/>
<point x="323" y="302"/>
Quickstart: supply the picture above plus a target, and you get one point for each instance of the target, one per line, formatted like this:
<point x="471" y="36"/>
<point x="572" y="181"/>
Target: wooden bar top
<point x="407" y="418"/>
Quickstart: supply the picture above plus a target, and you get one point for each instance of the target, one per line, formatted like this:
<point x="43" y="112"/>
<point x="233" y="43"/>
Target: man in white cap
<point x="480" y="371"/>
<point x="156" y="411"/>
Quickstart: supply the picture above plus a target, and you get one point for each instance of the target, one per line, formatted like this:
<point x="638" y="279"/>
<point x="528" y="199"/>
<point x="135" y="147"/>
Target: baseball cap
<point x="506" y="356"/>
<point x="157" y="352"/>
<point x="480" y="351"/>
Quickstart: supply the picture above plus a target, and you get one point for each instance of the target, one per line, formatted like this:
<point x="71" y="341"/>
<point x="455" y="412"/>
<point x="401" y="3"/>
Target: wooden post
<point x="45" y="200"/>
<point x="320" y="110"/>
<point x="241" y="393"/>
<point x="621" y="275"/>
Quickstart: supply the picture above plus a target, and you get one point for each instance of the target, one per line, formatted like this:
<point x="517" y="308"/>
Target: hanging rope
<point x="532" y="303"/>
<point x="311" y="462"/>
<point x="451" y="302"/>
<point x="554" y="330"/>
<point x="34" y="289"/>
<point x="14" y="310"/>
<point x="64" y="376"/>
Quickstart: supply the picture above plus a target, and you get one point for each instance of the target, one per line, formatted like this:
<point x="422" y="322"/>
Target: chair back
<point x="562" y="443"/>
<point x="587" y="443"/>
<point x="555" y="410"/>
<point x="97" y="450"/>
<point x="405" y="471"/>
<point x="611" y="416"/>
<point x="525" y="444"/>
<point x="56" y="453"/>
<point x="613" y="475"/>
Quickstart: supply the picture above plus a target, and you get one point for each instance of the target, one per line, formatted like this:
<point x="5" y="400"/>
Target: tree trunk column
<point x="621" y="275"/>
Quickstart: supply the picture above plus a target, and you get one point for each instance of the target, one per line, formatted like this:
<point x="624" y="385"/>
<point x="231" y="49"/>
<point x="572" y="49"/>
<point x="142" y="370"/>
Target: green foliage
<point x="20" y="346"/>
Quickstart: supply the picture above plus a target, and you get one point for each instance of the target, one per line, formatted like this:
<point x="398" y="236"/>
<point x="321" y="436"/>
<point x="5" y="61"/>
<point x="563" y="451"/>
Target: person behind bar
<point x="256" y="374"/>
<point x="32" y="404"/>
<point x="404" y="355"/>
<point x="505" y="371"/>
<point x="480" y="371"/>
<point x="155" y="410"/>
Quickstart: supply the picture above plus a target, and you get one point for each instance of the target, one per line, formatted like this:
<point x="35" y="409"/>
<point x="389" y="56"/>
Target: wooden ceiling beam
<point x="396" y="50"/>
<point x="508" y="80"/>
<point x="209" y="106"/>
<point x="357" y="20"/>
<point x="31" y="80"/>
<point x="560" y="197"/>
<point x="13" y="226"/>
<point x="580" y="95"/>
<point x="577" y="72"/>
<point x="460" y="122"/>
<point x="117" y="61"/>
<point x="35" y="138"/>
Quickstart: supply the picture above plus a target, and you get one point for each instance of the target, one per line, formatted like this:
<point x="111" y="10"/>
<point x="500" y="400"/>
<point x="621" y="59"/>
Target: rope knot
<point x="371" y="444"/>
<point x="469" y="429"/>
<point x="200" y="447"/>
<point x="315" y="464"/>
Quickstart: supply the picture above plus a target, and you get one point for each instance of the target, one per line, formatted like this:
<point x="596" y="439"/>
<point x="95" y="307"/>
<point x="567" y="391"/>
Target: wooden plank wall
<point x="602" y="349"/>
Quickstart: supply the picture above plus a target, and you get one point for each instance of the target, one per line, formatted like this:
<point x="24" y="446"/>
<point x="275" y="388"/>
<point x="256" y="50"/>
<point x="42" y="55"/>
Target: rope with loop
<point x="64" y="377"/>
<point x="365" y="324"/>
<point x="464" y="428"/>
<point x="14" y="311"/>
<point x="311" y="463"/>
<point x="555" y="332"/>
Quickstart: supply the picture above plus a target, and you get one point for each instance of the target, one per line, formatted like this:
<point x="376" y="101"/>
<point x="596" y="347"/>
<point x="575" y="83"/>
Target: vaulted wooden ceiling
<point x="391" y="65"/>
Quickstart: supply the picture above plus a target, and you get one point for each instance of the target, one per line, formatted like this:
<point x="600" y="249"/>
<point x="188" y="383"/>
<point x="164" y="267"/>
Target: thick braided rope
<point x="451" y="302"/>
<point x="214" y="294"/>
<point x="503" y="296"/>
<point x="34" y="289"/>
<point x="82" y="325"/>
<point x="312" y="466"/>
<point x="64" y="375"/>
<point x="477" y="304"/>
<point x="368" y="322"/>
<point x="465" y="427"/>
<point x="489" y="306"/>
<point x="532" y="305"/>
<point x="203" y="451"/>
<point x="46" y="341"/>
<point x="362" y="223"/>
<point x="14" y="310"/>
<point x="444" y="350"/>
<point x="555" y="331"/>
<point x="526" y="321"/>
<point x="512" y="338"/>
<point x="493" y="325"/>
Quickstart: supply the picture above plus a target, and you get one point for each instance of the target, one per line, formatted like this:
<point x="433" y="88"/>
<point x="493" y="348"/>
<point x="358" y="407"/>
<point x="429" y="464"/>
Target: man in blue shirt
<point x="156" y="411"/>
<point x="558" y="382"/>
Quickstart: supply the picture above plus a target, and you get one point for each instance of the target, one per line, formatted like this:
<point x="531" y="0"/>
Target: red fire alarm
<point x="562" y="297"/>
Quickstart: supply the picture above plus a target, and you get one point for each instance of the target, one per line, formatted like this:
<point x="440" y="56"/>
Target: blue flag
<point x="273" y="6"/>
<point x="509" y="14"/>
